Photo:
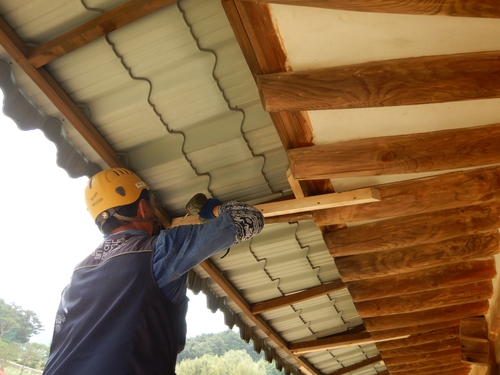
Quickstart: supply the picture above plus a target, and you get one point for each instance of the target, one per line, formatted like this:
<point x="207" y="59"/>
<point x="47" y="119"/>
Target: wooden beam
<point x="409" y="153"/>
<point x="474" y="341"/>
<point x="332" y="342"/>
<point x="450" y="355"/>
<point x="425" y="280"/>
<point x="413" y="230"/>
<point x="297" y="297"/>
<point x="414" y="258"/>
<point x="443" y="344"/>
<point x="458" y="8"/>
<point x="408" y="332"/>
<point x="18" y="51"/>
<point x="411" y="197"/>
<point x="426" y="317"/>
<point x="408" y="81"/>
<point x="419" y="339"/>
<point x="367" y="362"/>
<point x="91" y="30"/>
<point x="237" y="298"/>
<point x="427" y="300"/>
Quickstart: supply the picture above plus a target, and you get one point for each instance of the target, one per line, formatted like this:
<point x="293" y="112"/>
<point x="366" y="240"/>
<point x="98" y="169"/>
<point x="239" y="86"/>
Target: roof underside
<point x="200" y="96"/>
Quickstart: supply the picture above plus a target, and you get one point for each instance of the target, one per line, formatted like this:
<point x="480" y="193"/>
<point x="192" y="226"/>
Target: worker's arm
<point x="181" y="248"/>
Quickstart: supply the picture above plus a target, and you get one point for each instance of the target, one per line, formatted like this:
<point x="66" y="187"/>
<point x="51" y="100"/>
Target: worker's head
<point x="113" y="196"/>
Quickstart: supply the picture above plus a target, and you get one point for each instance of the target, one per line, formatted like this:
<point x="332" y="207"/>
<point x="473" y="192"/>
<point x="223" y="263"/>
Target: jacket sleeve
<point x="179" y="249"/>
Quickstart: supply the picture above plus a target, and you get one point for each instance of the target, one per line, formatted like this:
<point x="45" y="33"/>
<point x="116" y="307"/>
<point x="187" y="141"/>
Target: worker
<point x="123" y="312"/>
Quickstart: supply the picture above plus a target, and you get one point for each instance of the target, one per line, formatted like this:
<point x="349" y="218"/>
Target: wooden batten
<point x="414" y="258"/>
<point x="425" y="280"/>
<point x="471" y="8"/>
<point x="367" y="362"/>
<point x="427" y="317"/>
<point x="427" y="300"/>
<point x="94" y="29"/>
<point x="413" y="230"/>
<point x="333" y="342"/>
<point x="430" y="194"/>
<point x="386" y="83"/>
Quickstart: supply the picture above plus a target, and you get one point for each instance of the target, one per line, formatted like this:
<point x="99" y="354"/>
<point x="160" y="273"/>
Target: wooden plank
<point x="332" y="342"/>
<point x="442" y="192"/>
<point x="426" y="317"/>
<point x="367" y="362"/>
<point x="18" y="51"/>
<point x="359" y="196"/>
<point x="423" y="338"/>
<point x="450" y="355"/>
<point x="417" y="329"/>
<point x="237" y="298"/>
<point x="414" y="258"/>
<point x="454" y="274"/>
<point x="293" y="298"/>
<point x="427" y="300"/>
<point x="458" y="8"/>
<point x="444" y="344"/>
<point x="413" y="230"/>
<point x="409" y="153"/>
<point x="407" y="81"/>
<point x="94" y="29"/>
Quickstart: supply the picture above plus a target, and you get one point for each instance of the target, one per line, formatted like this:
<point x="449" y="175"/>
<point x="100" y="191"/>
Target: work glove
<point x="203" y="206"/>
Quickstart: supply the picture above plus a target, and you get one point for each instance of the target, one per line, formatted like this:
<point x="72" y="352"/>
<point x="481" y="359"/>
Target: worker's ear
<point x="144" y="209"/>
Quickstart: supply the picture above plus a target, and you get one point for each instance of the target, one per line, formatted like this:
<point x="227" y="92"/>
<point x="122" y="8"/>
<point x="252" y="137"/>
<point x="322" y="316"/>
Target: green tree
<point x="233" y="362"/>
<point x="9" y="351"/>
<point x="17" y="324"/>
<point x="34" y="355"/>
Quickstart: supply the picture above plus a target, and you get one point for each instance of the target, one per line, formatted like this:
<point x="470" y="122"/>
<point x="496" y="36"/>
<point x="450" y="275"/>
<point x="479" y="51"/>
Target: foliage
<point x="34" y="355"/>
<point x="216" y="344"/>
<point x="233" y="362"/>
<point x="17" y="324"/>
<point x="223" y="353"/>
<point x="9" y="351"/>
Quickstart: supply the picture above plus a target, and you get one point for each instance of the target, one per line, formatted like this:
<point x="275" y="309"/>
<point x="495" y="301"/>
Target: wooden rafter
<point x="414" y="258"/>
<point x="414" y="230"/>
<point x="467" y="310"/>
<point x="416" y="329"/>
<point x="427" y="300"/>
<point x="458" y="8"/>
<point x="105" y="23"/>
<point x="291" y="299"/>
<point x="437" y="193"/>
<point x="408" y="81"/>
<point x="423" y="280"/>
<point x="424" y="338"/>
<point x="412" y="153"/>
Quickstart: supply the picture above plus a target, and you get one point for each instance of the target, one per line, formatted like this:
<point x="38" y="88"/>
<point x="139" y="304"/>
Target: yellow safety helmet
<point x="112" y="188"/>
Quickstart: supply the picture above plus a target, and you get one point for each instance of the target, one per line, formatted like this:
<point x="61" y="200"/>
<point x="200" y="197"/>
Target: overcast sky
<point x="47" y="230"/>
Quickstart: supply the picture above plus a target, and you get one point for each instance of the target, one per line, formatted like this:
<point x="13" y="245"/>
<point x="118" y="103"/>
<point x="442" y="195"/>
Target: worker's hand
<point x="199" y="204"/>
<point x="208" y="211"/>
